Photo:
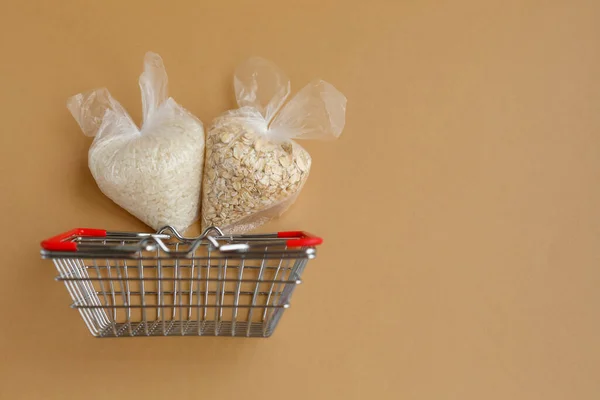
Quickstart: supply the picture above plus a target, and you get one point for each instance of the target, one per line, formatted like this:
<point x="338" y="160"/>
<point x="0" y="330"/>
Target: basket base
<point x="185" y="328"/>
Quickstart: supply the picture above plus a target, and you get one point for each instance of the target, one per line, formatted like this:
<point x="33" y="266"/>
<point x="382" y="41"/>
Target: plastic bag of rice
<point x="154" y="172"/>
<point x="254" y="170"/>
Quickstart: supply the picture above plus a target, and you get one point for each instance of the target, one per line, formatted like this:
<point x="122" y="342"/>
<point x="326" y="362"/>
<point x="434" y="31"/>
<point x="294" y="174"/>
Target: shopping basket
<point x="162" y="284"/>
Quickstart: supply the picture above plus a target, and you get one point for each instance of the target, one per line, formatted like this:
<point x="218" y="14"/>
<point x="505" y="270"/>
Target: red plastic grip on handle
<point x="300" y="239"/>
<point x="62" y="243"/>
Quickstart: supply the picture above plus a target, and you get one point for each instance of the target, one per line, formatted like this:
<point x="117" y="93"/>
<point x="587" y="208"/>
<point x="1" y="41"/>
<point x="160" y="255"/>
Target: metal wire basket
<point x="144" y="284"/>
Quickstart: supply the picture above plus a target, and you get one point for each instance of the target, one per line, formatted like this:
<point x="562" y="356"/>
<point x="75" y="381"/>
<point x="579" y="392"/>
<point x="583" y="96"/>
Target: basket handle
<point x="62" y="242"/>
<point x="300" y="239"/>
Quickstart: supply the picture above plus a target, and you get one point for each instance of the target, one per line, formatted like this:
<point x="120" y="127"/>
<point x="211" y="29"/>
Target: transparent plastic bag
<point x="154" y="172"/>
<point x="254" y="170"/>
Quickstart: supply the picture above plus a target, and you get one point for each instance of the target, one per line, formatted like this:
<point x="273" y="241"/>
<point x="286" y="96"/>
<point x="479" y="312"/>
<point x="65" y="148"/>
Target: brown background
<point x="460" y="207"/>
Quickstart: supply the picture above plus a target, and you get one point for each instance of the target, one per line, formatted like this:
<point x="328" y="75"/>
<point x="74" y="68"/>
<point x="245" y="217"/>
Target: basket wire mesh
<point x="135" y="284"/>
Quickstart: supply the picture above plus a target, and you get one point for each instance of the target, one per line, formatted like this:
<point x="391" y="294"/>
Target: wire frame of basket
<point x="140" y="284"/>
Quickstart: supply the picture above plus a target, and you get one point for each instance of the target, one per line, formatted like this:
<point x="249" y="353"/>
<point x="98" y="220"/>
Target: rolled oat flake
<point x="253" y="169"/>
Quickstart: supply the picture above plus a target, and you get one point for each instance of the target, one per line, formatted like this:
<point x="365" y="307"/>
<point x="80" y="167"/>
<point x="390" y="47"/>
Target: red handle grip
<point x="62" y="243"/>
<point x="300" y="239"/>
